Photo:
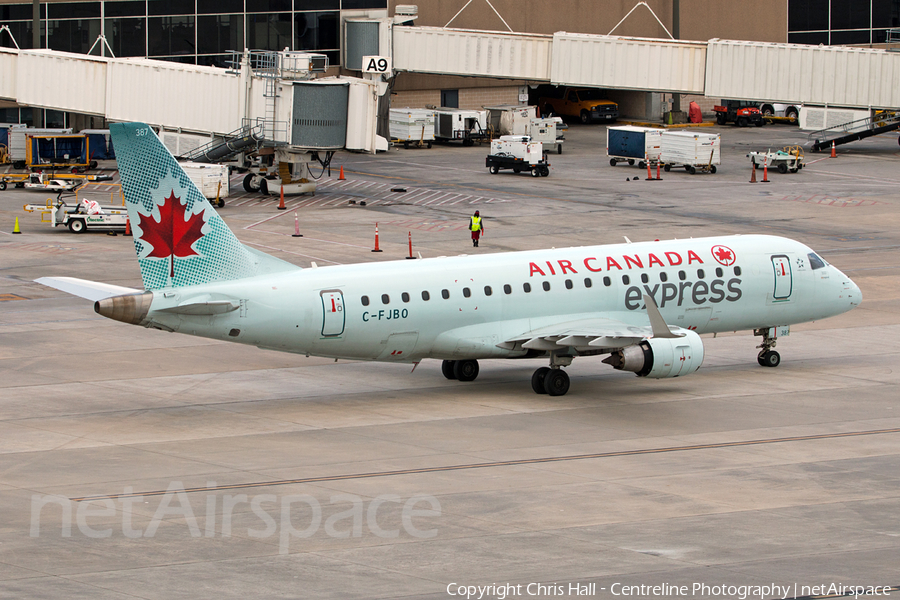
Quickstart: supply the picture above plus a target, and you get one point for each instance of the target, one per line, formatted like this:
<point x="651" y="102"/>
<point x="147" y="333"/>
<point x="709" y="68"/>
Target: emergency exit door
<point x="333" y="310"/>
<point x="784" y="282"/>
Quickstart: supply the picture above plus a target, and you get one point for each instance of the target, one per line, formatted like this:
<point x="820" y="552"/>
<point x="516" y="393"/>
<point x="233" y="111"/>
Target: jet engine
<point x="659" y="358"/>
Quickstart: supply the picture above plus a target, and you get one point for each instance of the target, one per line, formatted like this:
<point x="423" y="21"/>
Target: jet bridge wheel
<point x="466" y="370"/>
<point x="447" y="369"/>
<point x="537" y="380"/>
<point x="769" y="358"/>
<point x="556" y="382"/>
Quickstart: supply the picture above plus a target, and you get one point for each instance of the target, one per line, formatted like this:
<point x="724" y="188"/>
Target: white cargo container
<point x="210" y="179"/>
<point x="547" y="132"/>
<point x="412" y="125"/>
<point x="511" y="119"/>
<point x="693" y="151"/>
<point x="458" y="124"/>
<point x="630" y="143"/>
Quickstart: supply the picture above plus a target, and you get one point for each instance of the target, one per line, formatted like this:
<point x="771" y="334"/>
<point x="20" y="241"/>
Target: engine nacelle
<point x="659" y="358"/>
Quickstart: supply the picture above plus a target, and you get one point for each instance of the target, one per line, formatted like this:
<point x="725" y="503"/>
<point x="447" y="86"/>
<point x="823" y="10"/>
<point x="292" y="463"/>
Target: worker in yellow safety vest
<point x="476" y="227"/>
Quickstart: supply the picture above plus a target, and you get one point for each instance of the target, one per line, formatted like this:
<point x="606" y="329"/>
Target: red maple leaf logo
<point x="173" y="235"/>
<point x="723" y="255"/>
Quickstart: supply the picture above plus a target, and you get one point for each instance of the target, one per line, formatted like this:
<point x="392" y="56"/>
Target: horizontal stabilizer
<point x="91" y="290"/>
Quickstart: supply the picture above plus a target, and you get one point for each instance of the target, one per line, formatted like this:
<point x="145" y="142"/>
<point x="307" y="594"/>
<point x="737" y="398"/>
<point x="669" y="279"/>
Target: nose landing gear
<point x="767" y="357"/>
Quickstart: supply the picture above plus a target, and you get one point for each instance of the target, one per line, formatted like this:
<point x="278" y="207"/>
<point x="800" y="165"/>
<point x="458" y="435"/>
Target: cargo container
<point x="693" y="151"/>
<point x="59" y="151"/>
<point x="18" y="148"/>
<point x="468" y="126"/>
<point x="210" y="179"/>
<point x="412" y="126"/>
<point x="511" y="119"/>
<point x="633" y="144"/>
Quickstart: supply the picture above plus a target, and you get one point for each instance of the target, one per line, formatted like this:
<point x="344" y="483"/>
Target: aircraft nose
<point x="854" y="294"/>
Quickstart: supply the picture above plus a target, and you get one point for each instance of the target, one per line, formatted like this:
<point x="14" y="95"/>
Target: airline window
<point x="644" y="278"/>
<point x="404" y="296"/>
<point x="626" y="279"/>
<point x="487" y="290"/>
<point x="467" y="292"/>
<point x="682" y="275"/>
<point x="365" y="300"/>
<point x="587" y="282"/>
<point x="569" y="284"/>
<point x="663" y="277"/>
<point x="815" y="262"/>
<point x="385" y="299"/>
<point x="426" y="296"/>
<point x="507" y="289"/>
<point x="700" y="274"/>
<point x="526" y="287"/>
<point x="737" y="271"/>
<point x="719" y="272"/>
<point x="607" y="281"/>
<point x="445" y="294"/>
<point x="546" y="285"/>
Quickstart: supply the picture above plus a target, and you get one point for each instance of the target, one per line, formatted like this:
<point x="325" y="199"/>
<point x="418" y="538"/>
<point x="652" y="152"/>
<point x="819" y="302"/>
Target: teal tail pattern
<point x="179" y="237"/>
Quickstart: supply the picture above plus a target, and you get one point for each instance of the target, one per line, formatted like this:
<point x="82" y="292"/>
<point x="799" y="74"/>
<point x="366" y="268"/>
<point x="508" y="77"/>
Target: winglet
<point x="657" y="323"/>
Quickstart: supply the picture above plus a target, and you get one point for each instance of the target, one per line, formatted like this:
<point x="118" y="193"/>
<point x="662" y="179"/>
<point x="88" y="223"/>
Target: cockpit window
<point x="815" y="262"/>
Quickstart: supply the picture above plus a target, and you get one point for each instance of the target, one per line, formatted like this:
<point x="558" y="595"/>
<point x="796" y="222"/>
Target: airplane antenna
<point x="626" y="239"/>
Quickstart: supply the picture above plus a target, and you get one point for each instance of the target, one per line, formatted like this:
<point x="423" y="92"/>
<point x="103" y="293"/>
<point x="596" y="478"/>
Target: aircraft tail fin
<point x="179" y="237"/>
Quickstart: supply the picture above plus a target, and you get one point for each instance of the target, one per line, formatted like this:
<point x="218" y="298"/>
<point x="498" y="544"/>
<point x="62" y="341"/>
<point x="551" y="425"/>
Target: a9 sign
<point x="376" y="64"/>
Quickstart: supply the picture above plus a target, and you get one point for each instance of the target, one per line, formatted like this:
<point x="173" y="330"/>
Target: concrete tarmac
<point x="140" y="464"/>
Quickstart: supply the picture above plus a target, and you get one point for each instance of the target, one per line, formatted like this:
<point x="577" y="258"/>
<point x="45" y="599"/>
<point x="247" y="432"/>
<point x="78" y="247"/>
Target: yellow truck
<point x="588" y="104"/>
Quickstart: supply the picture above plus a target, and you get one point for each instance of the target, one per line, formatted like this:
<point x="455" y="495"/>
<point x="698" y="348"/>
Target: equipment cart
<point x="519" y="153"/>
<point x="629" y="143"/>
<point x="74" y="216"/>
<point x="412" y="127"/>
<point x="693" y="151"/>
<point x="788" y="159"/>
<point x="468" y="126"/>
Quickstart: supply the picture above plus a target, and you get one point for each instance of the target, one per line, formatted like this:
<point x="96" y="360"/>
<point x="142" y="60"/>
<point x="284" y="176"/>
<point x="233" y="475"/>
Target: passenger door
<point x="333" y="318"/>
<point x="784" y="279"/>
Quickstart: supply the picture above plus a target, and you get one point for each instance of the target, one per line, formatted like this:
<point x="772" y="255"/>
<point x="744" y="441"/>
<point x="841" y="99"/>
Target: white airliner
<point x="642" y="304"/>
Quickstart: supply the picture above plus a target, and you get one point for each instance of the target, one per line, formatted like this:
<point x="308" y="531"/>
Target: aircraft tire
<point x="264" y="187"/>
<point x="447" y="369"/>
<point x="556" y="382"/>
<point x="537" y="380"/>
<point x="769" y="359"/>
<point x="466" y="370"/>
<point x="247" y="179"/>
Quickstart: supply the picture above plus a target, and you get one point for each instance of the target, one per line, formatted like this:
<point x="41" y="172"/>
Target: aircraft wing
<point x="91" y="290"/>
<point x="594" y="333"/>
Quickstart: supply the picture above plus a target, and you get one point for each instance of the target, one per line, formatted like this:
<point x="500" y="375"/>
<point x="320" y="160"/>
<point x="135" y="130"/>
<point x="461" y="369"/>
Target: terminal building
<point x="204" y="32"/>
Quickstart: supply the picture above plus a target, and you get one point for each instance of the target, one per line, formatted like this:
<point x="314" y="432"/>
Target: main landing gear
<point x="461" y="370"/>
<point x="552" y="380"/>
<point x="767" y="357"/>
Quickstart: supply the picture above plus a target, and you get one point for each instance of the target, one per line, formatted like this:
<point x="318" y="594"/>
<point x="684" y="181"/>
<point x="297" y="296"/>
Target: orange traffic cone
<point x="376" y="249"/>
<point x="833" y="153"/>
<point x="765" y="178"/>
<point x="281" y="205"/>
<point x="341" y="176"/>
<point x="128" y="226"/>
<point x="753" y="173"/>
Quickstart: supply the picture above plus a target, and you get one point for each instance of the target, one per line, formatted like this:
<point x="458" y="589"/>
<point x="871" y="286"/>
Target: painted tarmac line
<point x="505" y="463"/>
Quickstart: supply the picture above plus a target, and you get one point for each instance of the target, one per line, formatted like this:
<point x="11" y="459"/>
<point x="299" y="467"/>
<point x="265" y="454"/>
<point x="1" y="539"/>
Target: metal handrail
<point x="245" y="130"/>
<point x="867" y="124"/>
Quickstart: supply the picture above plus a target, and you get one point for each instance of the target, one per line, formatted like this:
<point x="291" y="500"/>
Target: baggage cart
<point x="693" y="151"/>
<point x="412" y="127"/>
<point x="633" y="144"/>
